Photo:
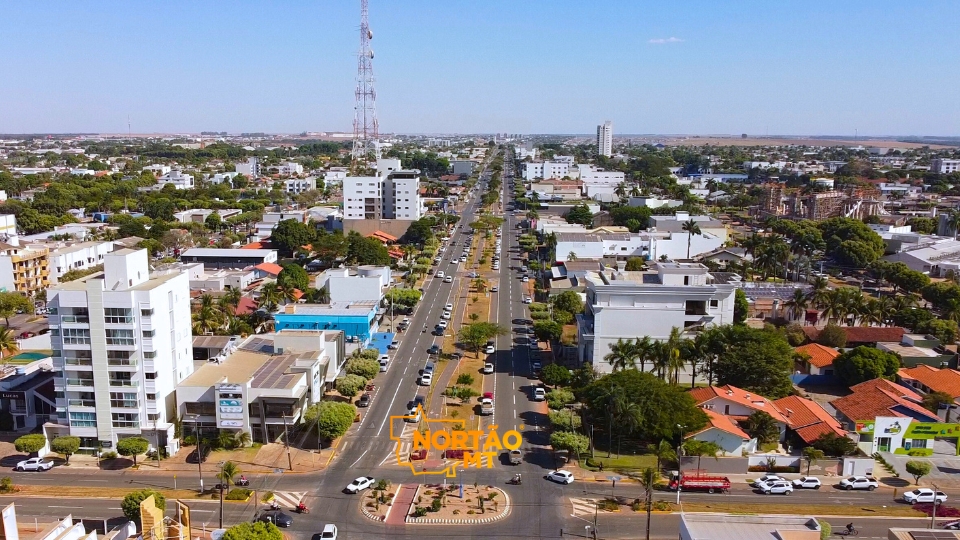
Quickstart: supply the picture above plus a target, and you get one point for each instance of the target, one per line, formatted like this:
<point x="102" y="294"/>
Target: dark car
<point x="193" y="457"/>
<point x="276" y="517"/>
<point x="364" y="400"/>
<point x="434" y="350"/>
<point x="417" y="401"/>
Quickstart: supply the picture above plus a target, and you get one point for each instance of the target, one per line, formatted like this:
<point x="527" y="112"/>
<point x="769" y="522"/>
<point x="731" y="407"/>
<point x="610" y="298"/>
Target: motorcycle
<point x="243" y="482"/>
<point x="301" y="509"/>
<point x="516" y="481"/>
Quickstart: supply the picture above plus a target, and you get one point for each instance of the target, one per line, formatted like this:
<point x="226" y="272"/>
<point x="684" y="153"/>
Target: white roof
<point x="222" y="252"/>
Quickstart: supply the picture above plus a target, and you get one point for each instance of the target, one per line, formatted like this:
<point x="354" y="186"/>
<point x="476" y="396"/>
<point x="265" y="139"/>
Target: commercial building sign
<point x="230" y="406"/>
<point x="902" y="435"/>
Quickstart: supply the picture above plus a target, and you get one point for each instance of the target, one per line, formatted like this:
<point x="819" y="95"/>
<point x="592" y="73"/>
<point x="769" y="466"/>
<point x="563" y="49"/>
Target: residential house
<point x="863" y="335"/>
<point x="726" y="434"/>
<point x="737" y="404"/>
<point x="807" y="420"/>
<point x="879" y="398"/>
<point x="927" y="379"/>
<point x="817" y="358"/>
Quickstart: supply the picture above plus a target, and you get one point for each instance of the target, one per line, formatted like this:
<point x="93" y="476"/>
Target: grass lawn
<point x="569" y="335"/>
<point x="769" y="447"/>
<point x="624" y="461"/>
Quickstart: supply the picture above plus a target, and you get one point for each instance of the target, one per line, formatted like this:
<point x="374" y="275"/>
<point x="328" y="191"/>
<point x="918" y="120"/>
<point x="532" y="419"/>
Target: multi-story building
<point x="157" y="170"/>
<point x="548" y="169"/>
<point x="394" y="193"/>
<point x="250" y="169"/>
<point x="177" y="179"/>
<point x="24" y="269"/>
<point x="944" y="166"/>
<point x="228" y="258"/>
<point x="297" y="186"/>
<point x="629" y="305"/>
<point x="79" y="256"/>
<point x="605" y="139"/>
<point x="8" y="226"/>
<point x="771" y="199"/>
<point x="289" y="168"/>
<point x="121" y="343"/>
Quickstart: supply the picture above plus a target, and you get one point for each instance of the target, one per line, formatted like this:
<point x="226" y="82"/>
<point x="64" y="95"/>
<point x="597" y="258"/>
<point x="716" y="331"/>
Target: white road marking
<point x="359" y="458"/>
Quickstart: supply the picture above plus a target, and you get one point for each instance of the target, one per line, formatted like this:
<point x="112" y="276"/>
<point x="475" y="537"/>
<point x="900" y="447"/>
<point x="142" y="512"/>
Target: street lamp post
<point x="222" y="482"/>
<point x="680" y="462"/>
<point x="286" y="442"/>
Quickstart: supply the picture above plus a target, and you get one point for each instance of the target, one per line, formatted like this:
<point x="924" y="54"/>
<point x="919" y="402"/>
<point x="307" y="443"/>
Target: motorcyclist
<point x="243" y="479"/>
<point x="274" y="505"/>
<point x="301" y="508"/>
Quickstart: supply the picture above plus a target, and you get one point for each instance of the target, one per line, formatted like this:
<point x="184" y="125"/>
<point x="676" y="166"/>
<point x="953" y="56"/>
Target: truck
<point x="699" y="482"/>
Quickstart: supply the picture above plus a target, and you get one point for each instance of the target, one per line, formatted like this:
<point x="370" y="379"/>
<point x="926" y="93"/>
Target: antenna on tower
<point x="366" y="131"/>
<point x="129" y="131"/>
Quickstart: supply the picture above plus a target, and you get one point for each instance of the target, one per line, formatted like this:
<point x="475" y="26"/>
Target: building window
<point x="120" y="337"/>
<point x="696" y="307"/>
<point x="149" y="355"/>
<point x="117" y="316"/>
<point x="152" y="397"/>
<point x="83" y="419"/>
<point x="151" y="375"/>
<point x="75" y="336"/>
<point x="714" y="303"/>
<point x="146" y="312"/>
<point x="124" y="400"/>
<point x="125" y="420"/>
<point x="149" y="333"/>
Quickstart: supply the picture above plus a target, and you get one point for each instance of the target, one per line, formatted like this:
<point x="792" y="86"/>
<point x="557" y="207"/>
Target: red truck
<point x="700" y="482"/>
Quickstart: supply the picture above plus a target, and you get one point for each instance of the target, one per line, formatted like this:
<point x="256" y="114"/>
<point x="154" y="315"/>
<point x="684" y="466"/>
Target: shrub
<point x="826" y="530"/>
<point x="6" y="485"/>
<point x="238" y="494"/>
<point x="364" y="367"/>
<point x="131" y="503"/>
<point x="30" y="443"/>
<point x="775" y="469"/>
<point x="942" y="510"/>
<point x="465" y="379"/>
<point x="608" y="505"/>
<point x="436" y="505"/>
<point x="419" y="511"/>
<point x="253" y="531"/>
<point x="559" y="397"/>
<point x="104" y="456"/>
<point x="564" y="420"/>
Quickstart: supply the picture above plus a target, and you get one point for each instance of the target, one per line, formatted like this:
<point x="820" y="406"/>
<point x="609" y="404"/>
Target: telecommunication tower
<point x="366" y="132"/>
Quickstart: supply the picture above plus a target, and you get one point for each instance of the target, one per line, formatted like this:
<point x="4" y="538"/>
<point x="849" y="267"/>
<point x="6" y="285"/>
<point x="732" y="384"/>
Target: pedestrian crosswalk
<point x="485" y="462"/>
<point x="583" y="507"/>
<point x="288" y="499"/>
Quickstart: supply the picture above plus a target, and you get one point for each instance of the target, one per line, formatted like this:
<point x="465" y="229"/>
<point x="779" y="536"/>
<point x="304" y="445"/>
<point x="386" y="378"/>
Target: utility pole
<point x="933" y="514"/>
<point x="680" y="463"/>
<point x="286" y="442"/>
<point x="222" y="481"/>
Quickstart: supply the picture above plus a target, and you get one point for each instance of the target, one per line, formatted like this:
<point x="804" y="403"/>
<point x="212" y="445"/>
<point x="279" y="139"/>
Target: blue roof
<point x="381" y="340"/>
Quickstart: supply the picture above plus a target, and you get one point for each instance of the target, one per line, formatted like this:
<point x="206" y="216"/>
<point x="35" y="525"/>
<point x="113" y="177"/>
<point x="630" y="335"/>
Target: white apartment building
<point x="630" y="305"/>
<point x="548" y="169"/>
<point x="79" y="256"/>
<point x="177" y="179"/>
<point x="945" y="166"/>
<point x="250" y="169"/>
<point x="158" y="170"/>
<point x="8" y="226"/>
<point x="263" y="229"/>
<point x="360" y="284"/>
<point x="591" y="174"/>
<point x="297" y="186"/>
<point x="121" y="343"/>
<point x="394" y="193"/>
<point x="605" y="139"/>
<point x="290" y="168"/>
<point x="335" y="176"/>
<point x="649" y="244"/>
<point x="220" y="178"/>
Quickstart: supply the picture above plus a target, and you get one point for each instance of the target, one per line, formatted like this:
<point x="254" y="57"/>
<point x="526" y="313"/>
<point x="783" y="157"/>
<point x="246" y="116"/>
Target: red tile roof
<point x="246" y="306"/>
<point x="863" y="334"/>
<point x="880" y="397"/>
<point x="739" y="396"/>
<point x="257" y="245"/>
<point x="721" y="422"/>
<point x="807" y="418"/>
<point x="819" y="355"/>
<point x="383" y="237"/>
<point x="273" y="269"/>
<point x="937" y="380"/>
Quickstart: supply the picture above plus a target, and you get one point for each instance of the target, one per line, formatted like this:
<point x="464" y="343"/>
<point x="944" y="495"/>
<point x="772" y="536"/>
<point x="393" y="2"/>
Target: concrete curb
<point x="465" y="521"/>
<point x="368" y="515"/>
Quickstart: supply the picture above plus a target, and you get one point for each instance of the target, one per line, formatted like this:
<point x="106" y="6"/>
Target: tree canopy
<point x="332" y="419"/>
<point x="131" y="503"/>
<point x="293" y="276"/>
<point x="257" y="530"/>
<point x="759" y="361"/>
<point x="850" y="242"/>
<point x="865" y="363"/>
<point x="290" y="235"/>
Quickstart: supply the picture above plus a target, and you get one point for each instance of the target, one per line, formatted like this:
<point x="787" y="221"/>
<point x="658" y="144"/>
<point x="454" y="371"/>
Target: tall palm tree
<point x="228" y="472"/>
<point x="207" y="301"/>
<point x="649" y="478"/>
<point x="208" y="320"/>
<point x="8" y="342"/>
<point x="621" y="190"/>
<point x="797" y="304"/>
<point x="572" y="256"/>
<point x="643" y="348"/>
<point x="954" y="222"/>
<point x="622" y="355"/>
<point x="232" y="297"/>
<point x="692" y="228"/>
<point x="635" y="190"/>
<point x="479" y="284"/>
<point x="270" y="296"/>
<point x="663" y="452"/>
<point x="820" y="287"/>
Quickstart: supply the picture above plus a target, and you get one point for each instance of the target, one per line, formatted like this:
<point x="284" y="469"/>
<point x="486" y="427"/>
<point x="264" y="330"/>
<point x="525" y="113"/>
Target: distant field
<point x="737" y="141"/>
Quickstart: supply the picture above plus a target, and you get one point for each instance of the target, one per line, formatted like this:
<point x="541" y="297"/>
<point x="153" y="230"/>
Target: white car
<point x="924" y="495"/>
<point x="488" y="368"/>
<point x="807" y="482"/>
<point x="539" y="394"/>
<point x="527" y="300"/>
<point x="442" y="324"/>
<point x="445" y="315"/>
<point x="34" y="464"/>
<point x="440" y="275"/>
<point x="490" y="349"/>
<point x="561" y="476"/>
<point x="494" y="289"/>
<point x="426" y="379"/>
<point x="360" y="484"/>
<point x="859" y="482"/>
<point x="782" y="487"/>
<point x="329" y="532"/>
<point x="525" y="279"/>
<point x="767" y="478"/>
<point x="448" y="279"/>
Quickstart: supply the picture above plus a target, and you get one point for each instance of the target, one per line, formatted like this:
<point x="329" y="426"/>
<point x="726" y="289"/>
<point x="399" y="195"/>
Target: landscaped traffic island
<point x="437" y="503"/>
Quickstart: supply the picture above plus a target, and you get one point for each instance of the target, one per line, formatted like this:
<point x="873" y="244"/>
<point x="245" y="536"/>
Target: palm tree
<point x="228" y="472"/>
<point x="8" y="342"/>
<point x="572" y="256"/>
<point x="811" y="455"/>
<point x="232" y="297"/>
<point x="797" y="304"/>
<point x="629" y="417"/>
<point x="206" y="301"/>
<point x="479" y="284"/>
<point x="663" y="452"/>
<point x="643" y="348"/>
<point x="243" y="438"/>
<point x="635" y="190"/>
<point x="693" y="447"/>
<point x="621" y="190"/>
<point x="622" y="355"/>
<point x="819" y="291"/>
<point x="692" y="229"/>
<point x="207" y="320"/>
<point x="954" y="222"/>
<point x="270" y="296"/>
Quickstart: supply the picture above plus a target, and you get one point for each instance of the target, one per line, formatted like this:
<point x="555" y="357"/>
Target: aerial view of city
<point x="366" y="269"/>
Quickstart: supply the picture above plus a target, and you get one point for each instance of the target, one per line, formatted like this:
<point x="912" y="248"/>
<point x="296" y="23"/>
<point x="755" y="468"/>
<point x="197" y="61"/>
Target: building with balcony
<point x="24" y="269"/>
<point x="121" y="342"/>
<point x="629" y="305"/>
<point x="394" y="193"/>
<point x="261" y="386"/>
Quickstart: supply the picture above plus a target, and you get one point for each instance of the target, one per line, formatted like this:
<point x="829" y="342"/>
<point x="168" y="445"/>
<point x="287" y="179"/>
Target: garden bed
<point x="437" y="503"/>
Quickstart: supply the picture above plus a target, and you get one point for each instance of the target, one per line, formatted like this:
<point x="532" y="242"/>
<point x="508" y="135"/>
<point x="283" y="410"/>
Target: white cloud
<point x="662" y="41"/>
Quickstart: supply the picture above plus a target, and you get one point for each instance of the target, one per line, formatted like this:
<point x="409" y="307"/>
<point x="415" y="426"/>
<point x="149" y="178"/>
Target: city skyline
<point x="796" y="68"/>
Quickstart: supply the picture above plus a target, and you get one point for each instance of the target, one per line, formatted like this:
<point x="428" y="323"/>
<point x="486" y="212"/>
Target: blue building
<point x="355" y="319"/>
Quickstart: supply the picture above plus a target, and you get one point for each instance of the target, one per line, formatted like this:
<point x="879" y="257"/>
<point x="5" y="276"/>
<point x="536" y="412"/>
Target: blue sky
<point x="447" y="66"/>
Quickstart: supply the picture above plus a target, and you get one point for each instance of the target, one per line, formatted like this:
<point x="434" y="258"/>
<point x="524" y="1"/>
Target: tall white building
<point x="605" y="139"/>
<point x="944" y="166"/>
<point x="630" y="305"/>
<point x="121" y="343"/>
<point x="250" y="169"/>
<point x="394" y="193"/>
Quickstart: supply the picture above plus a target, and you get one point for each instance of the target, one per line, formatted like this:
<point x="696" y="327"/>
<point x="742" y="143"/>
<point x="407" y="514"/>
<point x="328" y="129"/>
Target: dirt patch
<point x="762" y="141"/>
<point x="378" y="503"/>
<point x="478" y="502"/>
<point x="896" y="510"/>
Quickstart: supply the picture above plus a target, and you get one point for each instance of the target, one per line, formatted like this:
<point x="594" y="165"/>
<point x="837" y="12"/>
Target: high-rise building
<point x="121" y="342"/>
<point x="605" y="139"/>
<point x="393" y="193"/>
<point x="250" y="169"/>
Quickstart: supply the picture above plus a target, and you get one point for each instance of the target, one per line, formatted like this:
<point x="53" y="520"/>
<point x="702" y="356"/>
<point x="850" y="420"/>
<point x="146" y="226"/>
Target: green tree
<point x="12" y="303"/>
<point x="741" y="306"/>
<point x="559" y="397"/>
<point x="293" y="276"/>
<point x="635" y="264"/>
<point x="419" y="231"/>
<point x="918" y="469"/>
<point x="403" y="298"/>
<point x="850" y="242"/>
<point x="568" y="301"/>
<point x="290" y="235"/>
<point x="811" y="455"/>
<point x="364" y="367"/>
<point x="350" y="385"/>
<point x="694" y="447"/>
<point x="213" y="222"/>
<point x="132" y="447"/>
<point x="475" y="335"/>
<point x="663" y="451"/>
<point x="257" y="530"/>
<point x="835" y="445"/>
<point x="623" y="355"/>
<point x="564" y="420"/>
<point x="580" y="214"/>
<point x="759" y="361"/>
<point x="30" y="444"/>
<point x="547" y="330"/>
<point x="763" y="427"/>
<point x="228" y="472"/>
<point x="933" y="400"/>
<point x="944" y="330"/>
<point x="332" y="419"/>
<point x="555" y="375"/>
<point x="65" y="445"/>
<point x="362" y="250"/>
<point x="131" y="503"/>
<point x="574" y="443"/>
<point x="865" y="363"/>
<point x="832" y="336"/>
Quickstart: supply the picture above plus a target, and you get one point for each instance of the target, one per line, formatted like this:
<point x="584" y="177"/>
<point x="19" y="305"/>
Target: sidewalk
<point x="401" y="504"/>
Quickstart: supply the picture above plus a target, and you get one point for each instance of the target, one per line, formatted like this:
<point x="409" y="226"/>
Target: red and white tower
<point x="366" y="132"/>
